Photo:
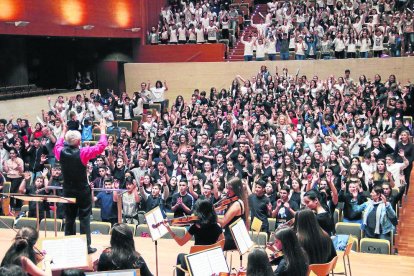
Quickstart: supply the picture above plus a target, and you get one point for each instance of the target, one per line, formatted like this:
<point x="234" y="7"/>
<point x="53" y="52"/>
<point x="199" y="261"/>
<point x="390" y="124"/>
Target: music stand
<point x="43" y="198"/>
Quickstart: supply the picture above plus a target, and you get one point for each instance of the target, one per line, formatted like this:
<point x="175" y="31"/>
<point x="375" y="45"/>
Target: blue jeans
<point x="353" y="221"/>
<point x="284" y="56"/>
<point x="363" y="54"/>
<point x="299" y="57"/>
<point x="272" y="56"/>
<point x="248" y="58"/>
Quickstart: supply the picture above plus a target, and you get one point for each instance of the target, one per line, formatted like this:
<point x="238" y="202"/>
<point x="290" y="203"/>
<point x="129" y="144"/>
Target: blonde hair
<point x="73" y="137"/>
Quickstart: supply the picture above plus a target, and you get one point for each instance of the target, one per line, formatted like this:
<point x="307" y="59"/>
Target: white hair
<point x="73" y="137"/>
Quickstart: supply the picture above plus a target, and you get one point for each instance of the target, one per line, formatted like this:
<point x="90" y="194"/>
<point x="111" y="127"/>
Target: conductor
<point x="74" y="162"/>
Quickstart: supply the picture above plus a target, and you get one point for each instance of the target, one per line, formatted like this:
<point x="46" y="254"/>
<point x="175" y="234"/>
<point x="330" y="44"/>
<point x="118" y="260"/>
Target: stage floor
<point x="362" y="264"/>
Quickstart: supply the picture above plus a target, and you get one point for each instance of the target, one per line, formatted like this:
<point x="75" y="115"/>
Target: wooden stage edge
<point x="362" y="264"/>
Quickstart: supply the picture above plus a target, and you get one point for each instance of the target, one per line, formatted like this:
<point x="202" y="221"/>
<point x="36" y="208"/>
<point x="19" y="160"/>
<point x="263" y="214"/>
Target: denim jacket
<point x="387" y="214"/>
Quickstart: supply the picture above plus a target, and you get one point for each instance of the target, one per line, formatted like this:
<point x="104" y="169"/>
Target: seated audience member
<point x="294" y="260"/>
<point x="314" y="240"/>
<point x="206" y="231"/>
<point x="122" y="255"/>
<point x="24" y="254"/>
<point x="258" y="263"/>
<point x="379" y="217"/>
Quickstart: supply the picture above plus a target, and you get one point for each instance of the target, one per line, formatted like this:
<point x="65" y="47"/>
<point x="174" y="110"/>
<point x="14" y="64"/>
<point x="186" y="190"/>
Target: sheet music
<point x="208" y="262"/>
<point x="68" y="252"/>
<point x="241" y="236"/>
<point x="154" y="217"/>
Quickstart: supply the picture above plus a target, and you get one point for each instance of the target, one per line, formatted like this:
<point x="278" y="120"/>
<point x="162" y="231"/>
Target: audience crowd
<point x="309" y="29"/>
<point x="294" y="142"/>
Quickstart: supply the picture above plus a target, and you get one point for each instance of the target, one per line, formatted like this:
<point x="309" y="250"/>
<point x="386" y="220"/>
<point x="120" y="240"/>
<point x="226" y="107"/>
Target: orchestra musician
<point x="293" y="260"/>
<point x="24" y="253"/>
<point x="236" y="210"/>
<point x="206" y="231"/>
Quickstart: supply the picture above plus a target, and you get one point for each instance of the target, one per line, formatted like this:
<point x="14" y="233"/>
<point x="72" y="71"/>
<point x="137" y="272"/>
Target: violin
<point x="276" y="257"/>
<point x="181" y="221"/>
<point x="224" y="203"/>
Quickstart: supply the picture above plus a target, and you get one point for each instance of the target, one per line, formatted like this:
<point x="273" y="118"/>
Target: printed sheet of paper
<point x="241" y="236"/>
<point x="208" y="262"/>
<point x="153" y="218"/>
<point x="66" y="252"/>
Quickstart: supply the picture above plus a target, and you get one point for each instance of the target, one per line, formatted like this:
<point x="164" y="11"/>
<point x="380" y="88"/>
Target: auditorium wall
<point x="183" y="78"/>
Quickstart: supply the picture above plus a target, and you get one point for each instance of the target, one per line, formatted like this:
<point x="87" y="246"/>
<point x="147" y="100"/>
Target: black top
<point x="230" y="243"/>
<point x="106" y="263"/>
<point x="282" y="267"/>
<point x="187" y="200"/>
<point x="284" y="214"/>
<point x="73" y="170"/>
<point x="205" y="234"/>
<point x="326" y="222"/>
<point x="258" y="209"/>
<point x="346" y="198"/>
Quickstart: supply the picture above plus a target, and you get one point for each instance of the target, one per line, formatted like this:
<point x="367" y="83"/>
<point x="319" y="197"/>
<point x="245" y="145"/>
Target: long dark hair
<point x="258" y="263"/>
<point x="312" y="238"/>
<point x="23" y="245"/>
<point x="238" y="189"/>
<point x="205" y="212"/>
<point x="294" y="256"/>
<point x="123" y="252"/>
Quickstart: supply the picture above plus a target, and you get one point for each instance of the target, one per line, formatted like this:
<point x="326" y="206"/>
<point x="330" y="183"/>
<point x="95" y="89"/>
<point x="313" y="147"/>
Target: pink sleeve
<point x="88" y="153"/>
<point x="58" y="148"/>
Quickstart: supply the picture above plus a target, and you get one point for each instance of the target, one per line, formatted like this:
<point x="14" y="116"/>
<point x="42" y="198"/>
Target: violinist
<point x="236" y="210"/>
<point x="182" y="201"/>
<point x="206" y="231"/>
<point x="294" y="260"/>
<point x="24" y="254"/>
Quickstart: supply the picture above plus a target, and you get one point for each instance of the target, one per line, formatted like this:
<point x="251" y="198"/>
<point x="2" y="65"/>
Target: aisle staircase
<point x="404" y="240"/>
<point x="236" y="53"/>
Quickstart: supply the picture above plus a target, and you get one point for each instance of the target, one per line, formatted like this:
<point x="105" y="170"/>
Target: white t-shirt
<point x="200" y="35"/>
<point x="378" y="43"/>
<point x="395" y="169"/>
<point x="158" y="94"/>
<point x="248" y="48"/>
<point x="260" y="51"/>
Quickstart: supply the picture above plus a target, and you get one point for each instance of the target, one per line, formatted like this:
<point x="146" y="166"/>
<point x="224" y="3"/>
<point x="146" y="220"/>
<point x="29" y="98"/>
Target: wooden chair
<point x="323" y="269"/>
<point x="346" y="262"/>
<point x="198" y="248"/>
